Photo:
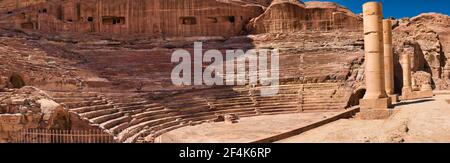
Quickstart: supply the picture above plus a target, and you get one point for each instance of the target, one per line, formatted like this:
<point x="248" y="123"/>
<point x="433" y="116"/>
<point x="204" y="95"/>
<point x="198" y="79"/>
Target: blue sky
<point x="399" y="8"/>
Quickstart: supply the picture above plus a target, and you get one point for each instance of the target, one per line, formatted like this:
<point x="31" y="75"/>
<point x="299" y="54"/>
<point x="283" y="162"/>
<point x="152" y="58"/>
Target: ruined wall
<point x="291" y="15"/>
<point x="29" y="108"/>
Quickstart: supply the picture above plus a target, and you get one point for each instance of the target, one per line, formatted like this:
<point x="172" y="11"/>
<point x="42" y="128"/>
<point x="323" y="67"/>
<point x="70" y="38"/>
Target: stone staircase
<point x="287" y="100"/>
<point x="117" y="114"/>
<point x="324" y="97"/>
<point x="130" y="117"/>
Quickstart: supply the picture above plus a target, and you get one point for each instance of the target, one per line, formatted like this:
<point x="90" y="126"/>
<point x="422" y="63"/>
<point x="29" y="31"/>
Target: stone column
<point x="406" y="66"/>
<point x="375" y="97"/>
<point x="388" y="60"/>
<point x="388" y="57"/>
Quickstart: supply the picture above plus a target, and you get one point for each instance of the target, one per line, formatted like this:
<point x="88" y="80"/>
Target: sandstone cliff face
<point x="7" y="6"/>
<point x="426" y="37"/>
<point x="292" y="15"/>
<point x="159" y="18"/>
<point x="261" y="2"/>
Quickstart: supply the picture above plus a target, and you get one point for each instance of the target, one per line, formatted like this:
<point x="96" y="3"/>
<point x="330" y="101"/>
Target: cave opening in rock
<point x="356" y="96"/>
<point x="16" y="81"/>
<point x="231" y="19"/>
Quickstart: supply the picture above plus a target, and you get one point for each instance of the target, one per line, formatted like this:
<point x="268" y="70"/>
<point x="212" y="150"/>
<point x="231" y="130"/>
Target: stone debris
<point x="231" y="118"/>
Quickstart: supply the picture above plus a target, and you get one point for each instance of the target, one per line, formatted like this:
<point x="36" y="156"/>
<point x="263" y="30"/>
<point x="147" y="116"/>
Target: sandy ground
<point x="248" y="129"/>
<point x="416" y="122"/>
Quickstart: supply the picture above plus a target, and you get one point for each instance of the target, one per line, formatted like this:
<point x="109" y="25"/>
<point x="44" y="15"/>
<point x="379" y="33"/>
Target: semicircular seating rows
<point x="134" y="115"/>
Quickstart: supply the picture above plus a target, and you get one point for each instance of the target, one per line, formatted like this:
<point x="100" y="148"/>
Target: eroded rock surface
<point x="29" y="108"/>
<point x="292" y="15"/>
<point x="428" y="36"/>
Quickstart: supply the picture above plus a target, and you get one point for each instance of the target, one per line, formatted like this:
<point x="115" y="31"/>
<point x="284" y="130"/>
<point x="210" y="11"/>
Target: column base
<point x="394" y="98"/>
<point x="416" y="95"/>
<point x="375" y="108"/>
<point x="381" y="103"/>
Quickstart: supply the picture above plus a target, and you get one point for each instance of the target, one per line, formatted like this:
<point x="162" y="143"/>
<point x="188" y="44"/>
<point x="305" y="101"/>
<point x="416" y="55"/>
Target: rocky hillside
<point x="428" y="37"/>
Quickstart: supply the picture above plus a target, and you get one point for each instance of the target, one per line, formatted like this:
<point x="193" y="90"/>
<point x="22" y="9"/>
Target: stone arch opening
<point x="356" y="96"/>
<point x="16" y="81"/>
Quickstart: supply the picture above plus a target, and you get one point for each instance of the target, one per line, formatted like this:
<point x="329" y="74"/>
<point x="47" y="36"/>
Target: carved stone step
<point x="111" y="123"/>
<point x="76" y="99"/>
<point x="279" y="111"/>
<point x="232" y="100"/>
<point x="104" y="118"/>
<point x="131" y="103"/>
<point x="135" y="107"/>
<point x="129" y="133"/>
<point x="321" y="108"/>
<point x="98" y="113"/>
<point x="128" y="100"/>
<point x="322" y="104"/>
<point x="195" y="109"/>
<point x="72" y="94"/>
<point x="84" y="103"/>
<point x="237" y="111"/>
<point x="233" y="104"/>
<point x="91" y="108"/>
<point x="168" y="114"/>
<point x="319" y="101"/>
<point x="151" y="113"/>
<point x="278" y="101"/>
<point x="277" y="107"/>
<point x="116" y="129"/>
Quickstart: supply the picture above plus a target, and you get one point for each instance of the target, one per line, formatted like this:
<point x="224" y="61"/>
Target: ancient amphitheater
<point x="100" y="70"/>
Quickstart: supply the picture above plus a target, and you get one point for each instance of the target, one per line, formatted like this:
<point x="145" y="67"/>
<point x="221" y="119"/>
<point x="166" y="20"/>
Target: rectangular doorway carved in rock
<point x="113" y="20"/>
<point x="188" y="20"/>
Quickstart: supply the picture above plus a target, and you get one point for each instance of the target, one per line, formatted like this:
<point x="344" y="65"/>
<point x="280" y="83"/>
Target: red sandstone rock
<point x="422" y="80"/>
<point x="293" y="15"/>
<point x="428" y="34"/>
<point x="160" y="18"/>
